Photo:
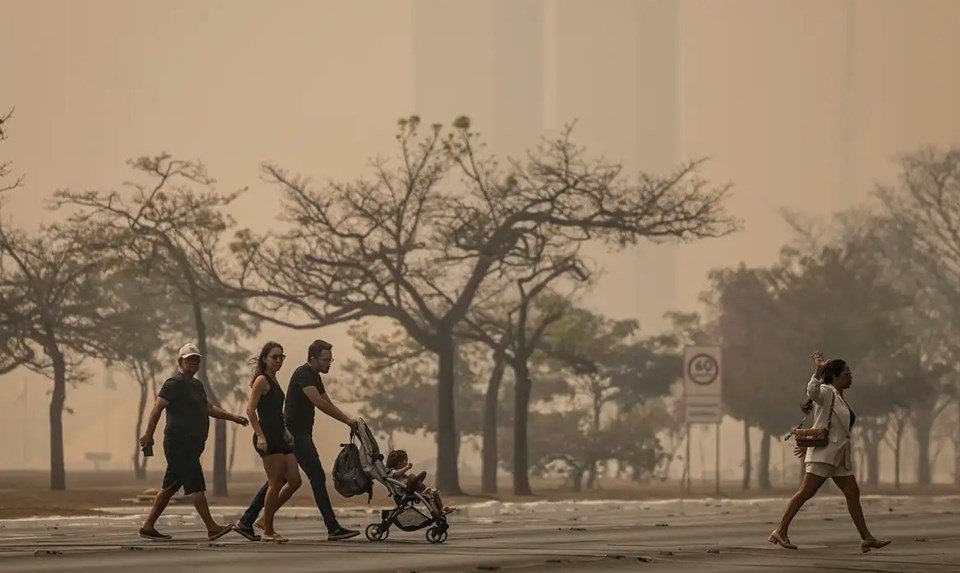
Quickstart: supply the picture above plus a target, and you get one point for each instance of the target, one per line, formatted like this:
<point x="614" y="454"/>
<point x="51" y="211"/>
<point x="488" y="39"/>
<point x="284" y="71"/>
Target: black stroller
<point x="413" y="510"/>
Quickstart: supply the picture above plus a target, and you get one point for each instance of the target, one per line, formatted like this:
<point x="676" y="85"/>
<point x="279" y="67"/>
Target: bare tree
<point x="13" y="353"/>
<point x="63" y="310"/>
<point x="402" y="245"/>
<point x="6" y="168"/>
<point x="169" y="227"/>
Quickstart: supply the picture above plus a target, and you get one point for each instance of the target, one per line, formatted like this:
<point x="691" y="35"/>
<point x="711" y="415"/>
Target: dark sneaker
<point x="342" y="533"/>
<point x="217" y="534"/>
<point x="246" y="531"/>
<point x="154" y="535"/>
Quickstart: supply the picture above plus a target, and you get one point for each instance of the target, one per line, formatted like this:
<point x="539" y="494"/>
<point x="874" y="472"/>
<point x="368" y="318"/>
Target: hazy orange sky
<point x="801" y="104"/>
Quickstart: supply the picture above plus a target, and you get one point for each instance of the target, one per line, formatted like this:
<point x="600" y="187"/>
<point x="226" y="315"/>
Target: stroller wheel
<point x="436" y="535"/>
<point x="374" y="533"/>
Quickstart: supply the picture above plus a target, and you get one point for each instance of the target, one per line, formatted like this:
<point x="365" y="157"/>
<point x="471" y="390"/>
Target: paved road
<point x="667" y="537"/>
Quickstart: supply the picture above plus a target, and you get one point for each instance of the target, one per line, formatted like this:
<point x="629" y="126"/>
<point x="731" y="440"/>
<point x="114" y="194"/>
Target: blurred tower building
<point x="523" y="69"/>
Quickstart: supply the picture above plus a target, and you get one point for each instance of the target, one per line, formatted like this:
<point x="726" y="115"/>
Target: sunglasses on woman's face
<point x="277" y="356"/>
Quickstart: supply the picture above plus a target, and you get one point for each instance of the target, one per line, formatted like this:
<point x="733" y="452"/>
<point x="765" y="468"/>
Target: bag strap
<point x="830" y="415"/>
<point x="804" y="419"/>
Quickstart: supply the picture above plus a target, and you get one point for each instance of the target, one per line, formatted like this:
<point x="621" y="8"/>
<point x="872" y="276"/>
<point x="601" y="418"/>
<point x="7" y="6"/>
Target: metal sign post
<point x="702" y="389"/>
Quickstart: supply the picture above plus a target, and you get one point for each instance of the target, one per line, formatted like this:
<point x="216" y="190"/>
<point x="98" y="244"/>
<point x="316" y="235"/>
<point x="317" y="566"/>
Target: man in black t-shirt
<point x="188" y="421"/>
<point x="305" y="393"/>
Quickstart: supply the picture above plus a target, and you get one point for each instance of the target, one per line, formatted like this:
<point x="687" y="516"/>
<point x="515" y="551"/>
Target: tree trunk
<point x="521" y="463"/>
<point x="871" y="446"/>
<point x="233" y="448"/>
<point x="140" y="462"/>
<point x="896" y="457"/>
<point x="58" y="474"/>
<point x="576" y="479"/>
<point x="923" y="426"/>
<point x="448" y="479"/>
<point x="592" y="471"/>
<point x="956" y="445"/>
<point x="675" y="443"/>
<point x="219" y="426"/>
<point x="491" y="403"/>
<point x="956" y="462"/>
<point x="763" y="469"/>
<point x="747" y="462"/>
<point x="597" y="408"/>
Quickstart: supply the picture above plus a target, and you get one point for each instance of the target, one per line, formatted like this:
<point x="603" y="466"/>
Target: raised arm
<point x="401" y="472"/>
<point x="815" y="389"/>
<point x="325" y="405"/>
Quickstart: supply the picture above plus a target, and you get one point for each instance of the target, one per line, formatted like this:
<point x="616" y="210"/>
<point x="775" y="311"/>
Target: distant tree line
<point x="476" y="263"/>
<point x="878" y="286"/>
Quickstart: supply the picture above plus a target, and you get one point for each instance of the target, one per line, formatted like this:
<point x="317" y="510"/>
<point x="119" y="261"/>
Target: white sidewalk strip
<point x="186" y="515"/>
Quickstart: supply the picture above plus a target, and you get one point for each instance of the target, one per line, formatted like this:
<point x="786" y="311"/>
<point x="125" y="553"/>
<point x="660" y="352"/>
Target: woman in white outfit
<point x="834" y="460"/>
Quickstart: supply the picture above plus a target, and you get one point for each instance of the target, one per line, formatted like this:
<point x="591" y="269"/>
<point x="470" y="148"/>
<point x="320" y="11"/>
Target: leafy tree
<point x="769" y="319"/>
<point x="596" y="363"/>
<point x="170" y="226"/>
<point x="62" y="306"/>
<point x="395" y="380"/>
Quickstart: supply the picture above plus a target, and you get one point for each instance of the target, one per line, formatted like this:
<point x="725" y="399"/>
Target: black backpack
<point x="349" y="479"/>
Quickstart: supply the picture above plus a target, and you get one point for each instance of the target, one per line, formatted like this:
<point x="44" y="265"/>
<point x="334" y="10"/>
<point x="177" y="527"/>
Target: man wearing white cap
<point x="188" y="422"/>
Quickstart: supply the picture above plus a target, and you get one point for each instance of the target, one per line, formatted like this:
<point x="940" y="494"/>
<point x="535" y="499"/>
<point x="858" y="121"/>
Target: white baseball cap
<point x="188" y="349"/>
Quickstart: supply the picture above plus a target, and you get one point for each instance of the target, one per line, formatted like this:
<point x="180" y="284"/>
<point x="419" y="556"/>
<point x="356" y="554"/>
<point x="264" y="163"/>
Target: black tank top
<point x="270" y="409"/>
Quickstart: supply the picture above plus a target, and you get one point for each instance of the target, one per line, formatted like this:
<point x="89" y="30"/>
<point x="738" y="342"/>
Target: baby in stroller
<point x="398" y="465"/>
<point x="417" y="507"/>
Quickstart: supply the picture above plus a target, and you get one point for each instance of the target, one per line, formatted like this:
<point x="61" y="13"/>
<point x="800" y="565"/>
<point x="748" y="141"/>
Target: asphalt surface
<point x="683" y="536"/>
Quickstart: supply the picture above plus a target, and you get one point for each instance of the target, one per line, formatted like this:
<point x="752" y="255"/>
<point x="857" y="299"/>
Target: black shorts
<point x="278" y="442"/>
<point x="183" y="468"/>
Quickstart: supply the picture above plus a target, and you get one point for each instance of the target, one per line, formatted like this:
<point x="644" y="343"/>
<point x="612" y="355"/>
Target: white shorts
<point x="826" y="470"/>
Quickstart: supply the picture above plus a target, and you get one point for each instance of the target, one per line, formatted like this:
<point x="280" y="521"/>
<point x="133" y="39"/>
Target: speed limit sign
<point x="702" y="400"/>
<point x="702" y="371"/>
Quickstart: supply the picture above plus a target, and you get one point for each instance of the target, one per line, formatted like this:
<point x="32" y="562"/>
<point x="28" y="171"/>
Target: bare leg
<point x="276" y="467"/>
<point x="159" y="504"/>
<point x="851" y="491"/>
<point x="808" y="488"/>
<point x="203" y="509"/>
<point x="293" y="480"/>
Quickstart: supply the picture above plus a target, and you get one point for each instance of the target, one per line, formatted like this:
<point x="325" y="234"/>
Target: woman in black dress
<point x="270" y="438"/>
